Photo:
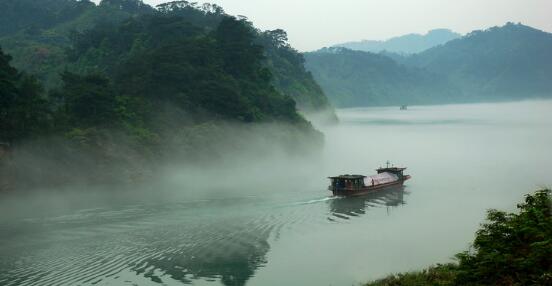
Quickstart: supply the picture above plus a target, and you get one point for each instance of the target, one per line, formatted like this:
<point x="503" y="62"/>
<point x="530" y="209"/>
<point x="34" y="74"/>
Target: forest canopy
<point x="123" y="75"/>
<point x="510" y="62"/>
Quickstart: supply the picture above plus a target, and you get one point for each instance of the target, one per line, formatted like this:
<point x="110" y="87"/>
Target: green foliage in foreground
<point x="439" y="275"/>
<point x="509" y="249"/>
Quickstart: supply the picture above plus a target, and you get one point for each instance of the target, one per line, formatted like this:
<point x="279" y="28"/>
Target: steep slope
<point x="181" y="84"/>
<point x="37" y="33"/>
<point x="407" y="44"/>
<point x="38" y="40"/>
<point x="290" y="75"/>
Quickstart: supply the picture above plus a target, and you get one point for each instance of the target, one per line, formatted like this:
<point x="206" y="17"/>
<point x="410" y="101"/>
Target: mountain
<point x="146" y="87"/>
<point x="290" y="75"/>
<point x="38" y="33"/>
<point x="511" y="62"/>
<point x="355" y="78"/>
<point x="407" y="44"/>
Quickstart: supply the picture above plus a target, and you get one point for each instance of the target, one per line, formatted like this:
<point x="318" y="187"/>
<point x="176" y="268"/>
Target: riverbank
<point x="509" y="249"/>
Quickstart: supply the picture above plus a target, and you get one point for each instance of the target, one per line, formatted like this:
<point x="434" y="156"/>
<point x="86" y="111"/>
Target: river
<point x="282" y="227"/>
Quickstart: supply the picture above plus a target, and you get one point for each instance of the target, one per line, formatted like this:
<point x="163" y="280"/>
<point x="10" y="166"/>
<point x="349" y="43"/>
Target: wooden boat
<point x="356" y="185"/>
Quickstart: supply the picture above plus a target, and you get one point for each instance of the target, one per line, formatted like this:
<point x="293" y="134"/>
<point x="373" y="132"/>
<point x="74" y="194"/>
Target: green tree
<point x="509" y="249"/>
<point x="512" y="249"/>
<point x="88" y="101"/>
<point x="23" y="110"/>
<point x="235" y="40"/>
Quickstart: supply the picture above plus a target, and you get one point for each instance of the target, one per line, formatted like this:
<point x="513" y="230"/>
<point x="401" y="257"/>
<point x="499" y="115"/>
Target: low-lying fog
<point x="267" y="219"/>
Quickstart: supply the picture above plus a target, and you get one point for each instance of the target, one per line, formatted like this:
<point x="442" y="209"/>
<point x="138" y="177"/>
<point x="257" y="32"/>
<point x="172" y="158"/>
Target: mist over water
<point x="269" y="220"/>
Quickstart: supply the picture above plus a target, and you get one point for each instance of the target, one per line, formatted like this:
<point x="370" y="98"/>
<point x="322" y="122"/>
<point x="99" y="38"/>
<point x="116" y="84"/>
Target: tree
<point x="23" y="109"/>
<point x="276" y="38"/>
<point x="8" y="94"/>
<point x="235" y="39"/>
<point x="88" y="100"/>
<point x="512" y="249"/>
<point x="131" y="6"/>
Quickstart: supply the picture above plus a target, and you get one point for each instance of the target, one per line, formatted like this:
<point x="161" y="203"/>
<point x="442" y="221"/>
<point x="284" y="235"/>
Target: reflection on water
<point x="464" y="159"/>
<point x="220" y="241"/>
<point x="231" y="256"/>
<point x="171" y="245"/>
<point x="346" y="207"/>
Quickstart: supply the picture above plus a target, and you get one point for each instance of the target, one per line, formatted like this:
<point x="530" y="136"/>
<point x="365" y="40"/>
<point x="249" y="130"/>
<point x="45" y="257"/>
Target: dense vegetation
<point x="406" y="44"/>
<point x="145" y="86"/>
<point x="290" y="75"/>
<point x="37" y="33"/>
<point x="502" y="63"/>
<point x="153" y="60"/>
<point x="509" y="249"/>
<point x="509" y="62"/>
<point x="23" y="111"/>
<point x="355" y="78"/>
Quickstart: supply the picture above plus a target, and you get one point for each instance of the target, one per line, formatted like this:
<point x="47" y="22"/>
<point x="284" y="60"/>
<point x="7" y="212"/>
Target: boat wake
<point x="221" y="241"/>
<point x="315" y="201"/>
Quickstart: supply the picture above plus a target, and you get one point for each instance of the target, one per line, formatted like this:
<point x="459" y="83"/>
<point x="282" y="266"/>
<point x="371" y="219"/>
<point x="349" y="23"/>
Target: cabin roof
<point x="391" y="168"/>
<point x="348" y="177"/>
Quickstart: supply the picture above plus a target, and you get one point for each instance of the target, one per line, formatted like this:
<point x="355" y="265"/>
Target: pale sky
<point x="312" y="24"/>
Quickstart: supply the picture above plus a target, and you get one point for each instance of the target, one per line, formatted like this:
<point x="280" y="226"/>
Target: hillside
<point x="38" y="33"/>
<point x="511" y="62"/>
<point x="356" y="78"/>
<point x="406" y="44"/>
<point x="178" y="84"/>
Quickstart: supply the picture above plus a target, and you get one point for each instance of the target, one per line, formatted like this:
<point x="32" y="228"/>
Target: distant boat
<point x="356" y="185"/>
<point x="404" y="107"/>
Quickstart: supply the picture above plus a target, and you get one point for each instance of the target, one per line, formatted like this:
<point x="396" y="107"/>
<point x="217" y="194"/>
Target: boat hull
<point x="367" y="189"/>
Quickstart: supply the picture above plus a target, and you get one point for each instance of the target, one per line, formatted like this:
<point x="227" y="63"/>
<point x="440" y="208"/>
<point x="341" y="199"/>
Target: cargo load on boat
<point x="351" y="185"/>
<point x="381" y="178"/>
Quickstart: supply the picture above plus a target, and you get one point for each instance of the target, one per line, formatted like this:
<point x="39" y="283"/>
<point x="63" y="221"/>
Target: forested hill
<point x="509" y="62"/>
<point x="38" y="33"/>
<point x="356" y="78"/>
<point x="501" y="63"/>
<point x="178" y="83"/>
<point x="406" y="44"/>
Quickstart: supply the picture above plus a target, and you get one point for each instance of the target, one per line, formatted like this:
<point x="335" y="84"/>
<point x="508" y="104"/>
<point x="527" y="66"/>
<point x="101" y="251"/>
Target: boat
<point x="404" y="107"/>
<point x="357" y="185"/>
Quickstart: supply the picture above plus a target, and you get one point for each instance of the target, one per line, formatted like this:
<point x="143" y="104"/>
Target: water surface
<point x="284" y="229"/>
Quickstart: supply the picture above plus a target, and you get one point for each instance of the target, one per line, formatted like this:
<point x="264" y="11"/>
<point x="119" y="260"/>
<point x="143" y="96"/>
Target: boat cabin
<point x="347" y="182"/>
<point x="393" y="170"/>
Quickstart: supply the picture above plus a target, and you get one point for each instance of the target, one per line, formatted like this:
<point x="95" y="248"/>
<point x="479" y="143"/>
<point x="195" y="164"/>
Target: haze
<point x="313" y="24"/>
